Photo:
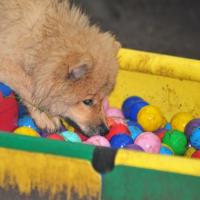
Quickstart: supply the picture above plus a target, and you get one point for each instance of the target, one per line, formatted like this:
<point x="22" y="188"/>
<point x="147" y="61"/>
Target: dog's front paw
<point x="46" y="122"/>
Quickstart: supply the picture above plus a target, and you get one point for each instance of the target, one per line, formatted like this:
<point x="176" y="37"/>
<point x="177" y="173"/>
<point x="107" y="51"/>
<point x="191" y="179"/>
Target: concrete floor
<point x="164" y="26"/>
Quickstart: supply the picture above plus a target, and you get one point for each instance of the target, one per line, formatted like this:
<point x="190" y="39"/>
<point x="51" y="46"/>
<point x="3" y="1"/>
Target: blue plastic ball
<point x="168" y="126"/>
<point x="195" y="138"/>
<point x="133" y="123"/>
<point x="128" y="103"/>
<point x="166" y="150"/>
<point x="121" y="140"/>
<point x="28" y="122"/>
<point x="5" y="90"/>
<point x="70" y="136"/>
<point x="22" y="110"/>
<point x="135" y="131"/>
<point x="135" y="108"/>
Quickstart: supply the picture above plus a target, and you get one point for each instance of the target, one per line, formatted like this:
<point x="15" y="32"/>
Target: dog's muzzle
<point x="102" y="129"/>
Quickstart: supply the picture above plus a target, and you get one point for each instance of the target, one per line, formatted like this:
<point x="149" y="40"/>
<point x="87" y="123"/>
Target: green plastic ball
<point x="177" y="140"/>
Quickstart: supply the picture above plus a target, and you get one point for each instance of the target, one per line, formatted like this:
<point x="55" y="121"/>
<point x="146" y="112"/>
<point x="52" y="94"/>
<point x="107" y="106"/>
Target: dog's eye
<point x="88" y="102"/>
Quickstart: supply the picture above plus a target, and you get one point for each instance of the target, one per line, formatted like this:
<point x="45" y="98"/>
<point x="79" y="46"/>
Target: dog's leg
<point x="14" y="76"/>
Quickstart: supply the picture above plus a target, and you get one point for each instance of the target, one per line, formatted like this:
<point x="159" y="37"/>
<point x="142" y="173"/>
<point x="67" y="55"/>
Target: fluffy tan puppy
<point x="59" y="64"/>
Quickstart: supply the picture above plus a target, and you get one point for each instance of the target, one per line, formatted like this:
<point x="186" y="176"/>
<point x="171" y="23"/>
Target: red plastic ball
<point x="196" y="154"/>
<point x="55" y="136"/>
<point x="8" y="113"/>
<point x="81" y="135"/>
<point x="161" y="133"/>
<point x="116" y="129"/>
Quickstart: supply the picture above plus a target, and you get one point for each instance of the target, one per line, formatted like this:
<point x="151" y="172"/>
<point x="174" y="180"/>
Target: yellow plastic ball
<point x="189" y="152"/>
<point x="67" y="126"/>
<point x="150" y="118"/>
<point x="26" y="131"/>
<point x="180" y="120"/>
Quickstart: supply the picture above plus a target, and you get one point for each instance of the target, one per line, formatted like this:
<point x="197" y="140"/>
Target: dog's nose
<point x="103" y="129"/>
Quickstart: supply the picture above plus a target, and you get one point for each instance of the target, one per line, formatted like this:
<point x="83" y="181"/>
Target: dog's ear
<point x="79" y="71"/>
<point x="78" y="65"/>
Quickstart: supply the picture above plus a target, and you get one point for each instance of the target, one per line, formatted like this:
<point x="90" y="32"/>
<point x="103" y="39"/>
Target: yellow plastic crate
<point x="170" y="83"/>
<point x="30" y="164"/>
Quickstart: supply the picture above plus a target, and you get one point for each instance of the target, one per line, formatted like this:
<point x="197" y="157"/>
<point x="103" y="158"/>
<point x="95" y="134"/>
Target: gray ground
<point x="165" y="26"/>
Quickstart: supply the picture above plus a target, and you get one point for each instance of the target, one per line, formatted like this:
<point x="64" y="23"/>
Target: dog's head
<point x="75" y="76"/>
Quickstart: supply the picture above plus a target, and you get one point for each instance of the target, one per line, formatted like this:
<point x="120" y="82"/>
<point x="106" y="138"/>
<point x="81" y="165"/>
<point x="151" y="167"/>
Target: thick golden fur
<point x="54" y="59"/>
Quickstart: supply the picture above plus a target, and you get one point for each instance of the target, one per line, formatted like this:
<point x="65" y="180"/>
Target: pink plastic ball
<point x="114" y="113"/>
<point x="98" y="140"/>
<point x="149" y="142"/>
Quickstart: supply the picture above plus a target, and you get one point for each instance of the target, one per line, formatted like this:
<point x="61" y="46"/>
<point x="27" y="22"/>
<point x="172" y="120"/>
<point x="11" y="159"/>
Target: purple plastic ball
<point x="159" y="131"/>
<point x="195" y="123"/>
<point x="134" y="147"/>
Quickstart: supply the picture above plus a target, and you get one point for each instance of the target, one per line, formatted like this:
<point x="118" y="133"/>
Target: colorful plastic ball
<point x="135" y="131"/>
<point x="166" y="150"/>
<point x="196" y="154"/>
<point x="121" y="140"/>
<point x="22" y="110"/>
<point x="133" y="123"/>
<point x="189" y="152"/>
<point x="28" y="122"/>
<point x="55" y="136"/>
<point x="8" y="113"/>
<point x="5" y="90"/>
<point x="195" y="123"/>
<point x="67" y="126"/>
<point x="113" y="121"/>
<point x="81" y="135"/>
<point x="180" y="120"/>
<point x="176" y="140"/>
<point x="160" y="133"/>
<point x="114" y="113"/>
<point x="149" y="142"/>
<point x="150" y="118"/>
<point x="128" y="104"/>
<point x="135" y="108"/>
<point x="116" y="129"/>
<point x="26" y="131"/>
<point x="168" y="126"/>
<point x="134" y="147"/>
<point x="70" y="136"/>
<point x="195" y="138"/>
<point x="98" y="140"/>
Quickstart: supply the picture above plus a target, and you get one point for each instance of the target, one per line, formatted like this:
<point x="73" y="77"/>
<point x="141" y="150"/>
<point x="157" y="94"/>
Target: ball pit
<point x="70" y="136"/>
<point x="176" y="140"/>
<point x="121" y="140"/>
<point x="134" y="147"/>
<point x="55" y="136"/>
<point x="166" y="150"/>
<point x="149" y="142"/>
<point x="195" y="123"/>
<point x="189" y="152"/>
<point x="128" y="105"/>
<point x="5" y="90"/>
<point x="150" y="118"/>
<point x="138" y="126"/>
<point x="98" y="141"/>
<point x="196" y="154"/>
<point x="195" y="138"/>
<point x="26" y="131"/>
<point x="27" y="121"/>
<point x="180" y="120"/>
